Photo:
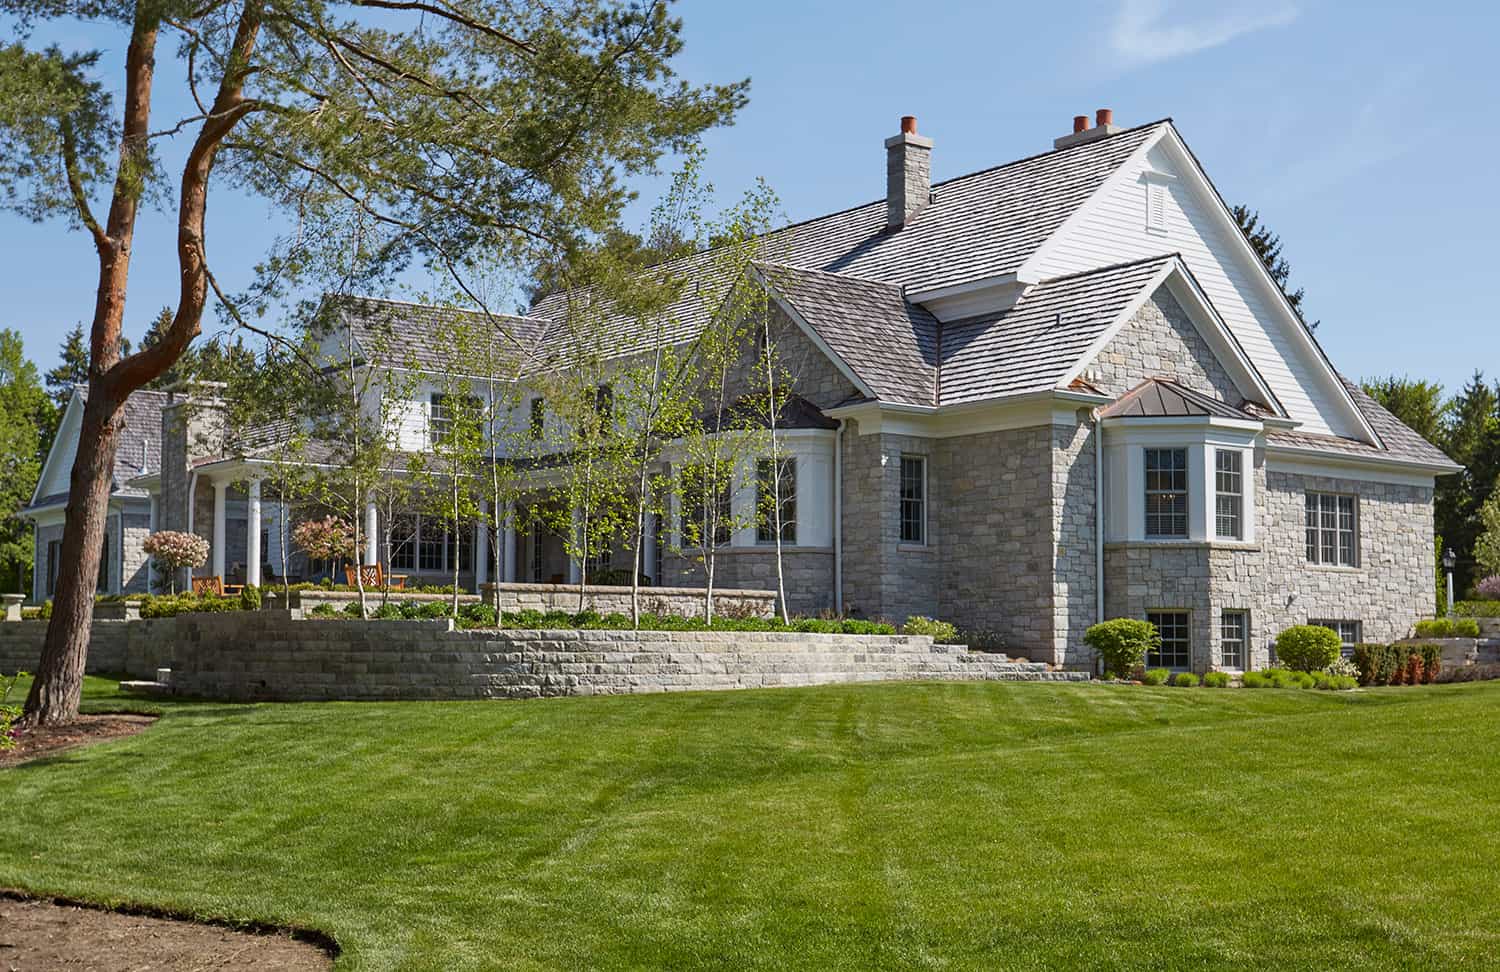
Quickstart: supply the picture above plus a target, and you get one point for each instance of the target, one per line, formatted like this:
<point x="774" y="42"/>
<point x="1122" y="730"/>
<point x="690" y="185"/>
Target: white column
<point x="482" y="546"/>
<point x="372" y="535"/>
<point x="221" y="517"/>
<point x="151" y="527"/>
<point x="575" y="569"/>
<point x="508" y="559"/>
<point x="252" y="534"/>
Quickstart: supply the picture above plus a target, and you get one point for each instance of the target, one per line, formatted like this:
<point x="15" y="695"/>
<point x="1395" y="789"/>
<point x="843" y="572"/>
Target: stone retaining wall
<point x="275" y="656"/>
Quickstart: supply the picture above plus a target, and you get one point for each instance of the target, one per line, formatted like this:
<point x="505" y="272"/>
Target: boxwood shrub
<point x="1123" y="644"/>
<point x="1156" y="676"/>
<point x="1216" y="680"/>
<point x="943" y="632"/>
<point x="1307" y="647"/>
<point x="1185" y="680"/>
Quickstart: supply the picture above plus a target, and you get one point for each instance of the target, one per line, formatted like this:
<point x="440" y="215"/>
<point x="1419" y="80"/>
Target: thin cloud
<point x="1144" y="31"/>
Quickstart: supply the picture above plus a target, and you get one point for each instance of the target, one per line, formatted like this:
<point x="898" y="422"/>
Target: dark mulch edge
<point x="21" y="754"/>
<point x="309" y="936"/>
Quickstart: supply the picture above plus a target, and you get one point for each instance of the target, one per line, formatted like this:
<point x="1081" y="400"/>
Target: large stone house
<point x="1054" y="391"/>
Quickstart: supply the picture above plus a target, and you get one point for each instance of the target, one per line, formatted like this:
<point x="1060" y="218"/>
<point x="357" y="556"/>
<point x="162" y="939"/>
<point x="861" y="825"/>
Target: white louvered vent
<point x="1156" y="207"/>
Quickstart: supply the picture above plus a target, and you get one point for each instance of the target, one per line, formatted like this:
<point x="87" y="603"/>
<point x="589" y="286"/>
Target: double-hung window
<point x="1234" y="638"/>
<point x="699" y="519"/>
<point x="1229" y="494"/>
<point x="445" y="410"/>
<point x="428" y="544"/>
<point x="914" y="499"/>
<point x="769" y="476"/>
<point x="1176" y="641"/>
<point x="1166" y="493"/>
<point x="1332" y="531"/>
<point x="1349" y="633"/>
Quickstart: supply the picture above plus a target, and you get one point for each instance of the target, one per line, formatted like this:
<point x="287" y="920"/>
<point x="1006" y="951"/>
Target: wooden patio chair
<point x="374" y="575"/>
<point x="209" y="585"/>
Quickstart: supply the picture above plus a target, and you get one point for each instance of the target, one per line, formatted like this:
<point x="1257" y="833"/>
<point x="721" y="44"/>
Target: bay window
<point x="1229" y="494"/>
<point x="1166" y="493"/>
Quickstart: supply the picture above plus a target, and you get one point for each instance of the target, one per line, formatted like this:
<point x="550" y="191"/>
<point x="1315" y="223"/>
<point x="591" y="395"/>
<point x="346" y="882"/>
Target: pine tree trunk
<point x="58" y="686"/>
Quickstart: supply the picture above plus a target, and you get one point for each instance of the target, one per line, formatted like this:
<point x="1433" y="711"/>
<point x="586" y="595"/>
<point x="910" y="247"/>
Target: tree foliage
<point x="26" y="416"/>
<point x="454" y="126"/>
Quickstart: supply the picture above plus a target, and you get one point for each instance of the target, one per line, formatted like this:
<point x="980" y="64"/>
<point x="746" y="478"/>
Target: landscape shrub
<point x="478" y="615"/>
<point x="171" y="605"/>
<point x="1123" y="644"/>
<point x="1406" y="664"/>
<point x="1279" y="678"/>
<point x="324" y="611"/>
<point x="1185" y="680"/>
<point x="1334" y="683"/>
<point x="9" y="714"/>
<point x="388" y="612"/>
<point x="1434" y="628"/>
<point x="943" y="632"/>
<point x="1489" y="588"/>
<point x="45" y="612"/>
<point x="1343" y="666"/>
<point x="250" y="599"/>
<point x="1307" y="647"/>
<point x="1465" y="628"/>
<point x="1477" y="609"/>
<point x="1156" y="676"/>
<point x="1216" y="680"/>
<point x="351" y="610"/>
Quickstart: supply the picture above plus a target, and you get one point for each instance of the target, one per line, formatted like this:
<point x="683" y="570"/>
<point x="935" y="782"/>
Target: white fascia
<point x="1317" y="462"/>
<point x="1047" y="407"/>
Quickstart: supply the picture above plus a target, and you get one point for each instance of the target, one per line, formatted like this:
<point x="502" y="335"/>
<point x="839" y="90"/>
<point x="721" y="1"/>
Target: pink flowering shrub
<point x="327" y="539"/>
<point x="175" y="550"/>
<point x="1489" y="588"/>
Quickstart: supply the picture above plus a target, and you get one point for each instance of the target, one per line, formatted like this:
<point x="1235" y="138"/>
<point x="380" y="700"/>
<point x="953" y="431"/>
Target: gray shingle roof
<point x="1031" y="346"/>
<point x="1163" y="398"/>
<point x="888" y="341"/>
<point x="423" y="332"/>
<point x="1399" y="441"/>
<point x="139" y="450"/>
<point x="981" y="225"/>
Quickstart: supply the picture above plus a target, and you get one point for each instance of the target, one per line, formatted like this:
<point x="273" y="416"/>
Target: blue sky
<point x="1365" y="134"/>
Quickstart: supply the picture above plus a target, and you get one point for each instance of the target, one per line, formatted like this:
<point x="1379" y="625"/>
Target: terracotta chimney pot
<point x="908" y="124"/>
<point x="1104" y="116"/>
<point x="1080" y="123"/>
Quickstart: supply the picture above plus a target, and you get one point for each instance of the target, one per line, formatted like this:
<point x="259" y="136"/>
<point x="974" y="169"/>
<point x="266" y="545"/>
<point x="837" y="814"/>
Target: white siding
<point x="58" y="471"/>
<point x="1112" y="228"/>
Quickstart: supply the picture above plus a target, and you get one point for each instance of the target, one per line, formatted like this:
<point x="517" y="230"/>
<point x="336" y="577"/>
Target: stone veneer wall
<point x="1273" y="582"/>
<point x="808" y="574"/>
<point x="269" y="655"/>
<point x="884" y="577"/>
<point x="135" y="564"/>
<point x="684" y="602"/>
<point x="1161" y="341"/>
<point x="997" y="573"/>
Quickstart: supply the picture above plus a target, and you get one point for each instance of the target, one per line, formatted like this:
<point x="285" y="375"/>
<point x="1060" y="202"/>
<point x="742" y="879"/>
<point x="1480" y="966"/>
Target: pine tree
<point x="1267" y="246"/>
<point x="1472" y="439"/>
<point x="72" y="369"/>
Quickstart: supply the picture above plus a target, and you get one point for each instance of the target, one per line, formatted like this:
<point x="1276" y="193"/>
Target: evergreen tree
<point x="1267" y="246"/>
<point x="1472" y="439"/>
<point x="72" y="368"/>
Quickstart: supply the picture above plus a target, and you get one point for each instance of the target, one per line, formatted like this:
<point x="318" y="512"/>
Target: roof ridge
<point x="429" y="306"/>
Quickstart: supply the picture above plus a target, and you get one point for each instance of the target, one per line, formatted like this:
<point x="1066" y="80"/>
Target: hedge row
<point x="1398" y="664"/>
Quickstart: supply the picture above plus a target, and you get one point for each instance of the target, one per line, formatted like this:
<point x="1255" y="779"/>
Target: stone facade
<point x="884" y="577"/>
<point x="808" y="574"/>
<point x="1272" y="580"/>
<point x="1160" y="341"/>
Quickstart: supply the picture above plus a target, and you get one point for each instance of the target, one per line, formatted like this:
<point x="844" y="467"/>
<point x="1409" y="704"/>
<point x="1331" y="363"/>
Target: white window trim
<point x="1246" y="640"/>
<point x="1336" y="564"/>
<point x="1125" y="444"/>
<point x="1240" y="534"/>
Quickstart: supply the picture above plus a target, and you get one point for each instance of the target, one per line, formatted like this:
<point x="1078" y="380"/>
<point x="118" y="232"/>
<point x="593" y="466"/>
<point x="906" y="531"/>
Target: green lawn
<point x="904" y="826"/>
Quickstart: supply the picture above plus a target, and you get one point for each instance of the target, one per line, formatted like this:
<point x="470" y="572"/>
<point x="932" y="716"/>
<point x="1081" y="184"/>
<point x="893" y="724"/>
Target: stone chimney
<point x="1104" y="124"/>
<point x="908" y="174"/>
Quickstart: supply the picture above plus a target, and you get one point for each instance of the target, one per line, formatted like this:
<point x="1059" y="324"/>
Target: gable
<point x="57" y="470"/>
<point x="1160" y="341"/>
<point x="1159" y="202"/>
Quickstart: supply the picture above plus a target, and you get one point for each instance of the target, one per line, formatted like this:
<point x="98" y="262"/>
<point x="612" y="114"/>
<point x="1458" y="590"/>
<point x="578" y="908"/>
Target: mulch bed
<point x="36" y="935"/>
<point x="47" y="740"/>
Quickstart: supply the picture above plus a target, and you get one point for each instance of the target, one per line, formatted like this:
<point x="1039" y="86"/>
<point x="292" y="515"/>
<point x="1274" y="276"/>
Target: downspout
<point x="1098" y="521"/>
<point x="838" y="520"/>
